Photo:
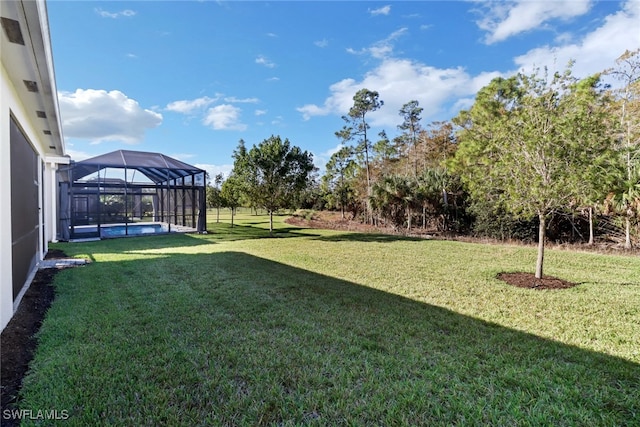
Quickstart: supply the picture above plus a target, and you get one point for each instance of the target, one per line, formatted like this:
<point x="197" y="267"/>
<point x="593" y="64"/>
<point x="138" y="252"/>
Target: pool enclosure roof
<point x="155" y="166"/>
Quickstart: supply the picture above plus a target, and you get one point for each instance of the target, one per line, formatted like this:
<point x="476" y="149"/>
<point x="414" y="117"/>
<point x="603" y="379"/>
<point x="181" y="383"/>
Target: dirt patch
<point x="529" y="281"/>
<point x="18" y="337"/>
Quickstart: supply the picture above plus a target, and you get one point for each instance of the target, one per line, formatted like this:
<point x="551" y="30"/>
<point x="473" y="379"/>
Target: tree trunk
<point x="218" y="214"/>
<point x="271" y="223"/>
<point x="541" y="237"/>
<point x="232" y="213"/>
<point x="591" y="239"/>
<point x="627" y="232"/>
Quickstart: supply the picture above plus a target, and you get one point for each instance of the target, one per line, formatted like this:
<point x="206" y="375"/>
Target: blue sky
<point x="191" y="78"/>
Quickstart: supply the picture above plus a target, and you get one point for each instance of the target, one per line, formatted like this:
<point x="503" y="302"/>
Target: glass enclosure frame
<point x="131" y="187"/>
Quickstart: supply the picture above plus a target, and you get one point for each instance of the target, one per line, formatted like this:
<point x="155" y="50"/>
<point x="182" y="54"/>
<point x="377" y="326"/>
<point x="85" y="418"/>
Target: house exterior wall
<point x="11" y="106"/>
<point x="6" y="278"/>
<point x="31" y="61"/>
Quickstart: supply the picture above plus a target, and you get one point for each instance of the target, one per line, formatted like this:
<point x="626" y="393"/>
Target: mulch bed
<point x="529" y="281"/>
<point x="18" y="337"/>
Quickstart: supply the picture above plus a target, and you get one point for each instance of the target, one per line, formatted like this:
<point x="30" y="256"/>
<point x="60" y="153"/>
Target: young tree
<point x="522" y="143"/>
<point x="364" y="101"/>
<point x="214" y="198"/>
<point x="231" y="194"/>
<point x="275" y="173"/>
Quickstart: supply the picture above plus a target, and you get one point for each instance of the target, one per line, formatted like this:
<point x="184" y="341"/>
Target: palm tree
<point x="394" y="198"/>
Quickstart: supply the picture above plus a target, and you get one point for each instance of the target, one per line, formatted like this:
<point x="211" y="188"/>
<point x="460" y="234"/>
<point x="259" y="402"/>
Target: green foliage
<point x="338" y="180"/>
<point x="214" y="198"/>
<point x="410" y="128"/>
<point x="528" y="141"/>
<point x="493" y="221"/>
<point x="356" y="128"/>
<point x="394" y="197"/>
<point x="231" y="194"/>
<point x="400" y="198"/>
<point x="627" y="109"/>
<point x="274" y="173"/>
<point x="391" y="181"/>
<point x="532" y="147"/>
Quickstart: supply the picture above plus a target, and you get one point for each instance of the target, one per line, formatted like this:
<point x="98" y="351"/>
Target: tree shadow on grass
<point x="130" y="244"/>
<point x="249" y="230"/>
<point x="369" y="237"/>
<point x="219" y="232"/>
<point x="233" y="339"/>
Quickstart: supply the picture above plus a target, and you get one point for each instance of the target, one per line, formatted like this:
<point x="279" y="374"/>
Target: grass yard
<point x="317" y="327"/>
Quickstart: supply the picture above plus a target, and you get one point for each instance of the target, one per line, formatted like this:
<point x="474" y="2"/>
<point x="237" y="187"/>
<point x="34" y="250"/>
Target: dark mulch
<point x="18" y="337"/>
<point x="528" y="280"/>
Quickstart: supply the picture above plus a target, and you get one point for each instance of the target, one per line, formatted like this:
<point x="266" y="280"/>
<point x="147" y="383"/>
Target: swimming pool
<point x="132" y="230"/>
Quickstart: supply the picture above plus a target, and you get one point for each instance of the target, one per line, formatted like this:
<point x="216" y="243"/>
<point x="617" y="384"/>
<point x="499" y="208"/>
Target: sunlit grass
<point x="318" y="327"/>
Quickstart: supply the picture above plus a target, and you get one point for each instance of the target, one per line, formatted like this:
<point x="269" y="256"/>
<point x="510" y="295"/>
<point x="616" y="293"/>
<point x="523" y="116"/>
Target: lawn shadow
<point x="369" y="237"/>
<point x="253" y="341"/>
<point x="217" y="232"/>
<point x="224" y="231"/>
<point x="130" y="244"/>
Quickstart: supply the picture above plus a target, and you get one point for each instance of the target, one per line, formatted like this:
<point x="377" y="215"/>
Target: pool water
<point x="132" y="230"/>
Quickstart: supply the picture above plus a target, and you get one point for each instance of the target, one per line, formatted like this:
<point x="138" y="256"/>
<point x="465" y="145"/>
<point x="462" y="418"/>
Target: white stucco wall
<point x="11" y="105"/>
<point x="6" y="292"/>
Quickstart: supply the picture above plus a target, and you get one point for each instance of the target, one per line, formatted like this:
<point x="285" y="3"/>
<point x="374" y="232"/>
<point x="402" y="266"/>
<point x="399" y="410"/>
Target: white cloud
<point x="384" y="10"/>
<point x="242" y="100"/>
<point x="224" y="117"/>
<point x="596" y="51"/>
<point x="310" y="110"/>
<point x="127" y="13"/>
<point x="98" y="115"/>
<point x="397" y="82"/>
<point x="260" y="112"/>
<point x="506" y="19"/>
<point x="183" y="156"/>
<point x="443" y="92"/>
<point x="321" y="43"/>
<point x="213" y="170"/>
<point x="383" y="48"/>
<point x="76" y="155"/>
<point x="263" y="60"/>
<point x="321" y="159"/>
<point x="218" y="117"/>
<point x="189" y="106"/>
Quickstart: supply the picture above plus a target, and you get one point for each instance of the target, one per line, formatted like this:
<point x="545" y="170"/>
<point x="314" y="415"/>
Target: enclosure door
<point x="24" y="208"/>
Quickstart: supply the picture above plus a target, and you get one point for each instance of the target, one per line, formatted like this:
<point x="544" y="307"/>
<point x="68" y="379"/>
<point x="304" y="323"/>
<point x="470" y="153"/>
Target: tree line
<point x="540" y="151"/>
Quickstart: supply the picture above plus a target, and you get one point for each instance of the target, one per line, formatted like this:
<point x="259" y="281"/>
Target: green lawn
<point x="331" y="328"/>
